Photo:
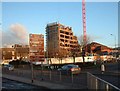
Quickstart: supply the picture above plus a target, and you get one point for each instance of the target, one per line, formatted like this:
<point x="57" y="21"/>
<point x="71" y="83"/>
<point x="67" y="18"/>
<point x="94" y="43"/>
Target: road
<point x="111" y="74"/>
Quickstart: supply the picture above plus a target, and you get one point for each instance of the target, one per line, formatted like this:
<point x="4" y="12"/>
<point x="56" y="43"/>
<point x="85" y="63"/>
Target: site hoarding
<point x="36" y="52"/>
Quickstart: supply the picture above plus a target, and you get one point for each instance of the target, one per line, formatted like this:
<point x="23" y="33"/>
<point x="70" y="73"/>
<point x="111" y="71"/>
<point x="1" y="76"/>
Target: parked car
<point x="70" y="69"/>
<point x="8" y="67"/>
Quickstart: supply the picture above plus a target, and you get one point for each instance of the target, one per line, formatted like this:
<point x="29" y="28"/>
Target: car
<point x="70" y="69"/>
<point x="8" y="67"/>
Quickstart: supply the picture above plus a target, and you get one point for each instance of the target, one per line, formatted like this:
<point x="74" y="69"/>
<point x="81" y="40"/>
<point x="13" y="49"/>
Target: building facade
<point x="16" y="51"/>
<point x="8" y="53"/>
<point x="21" y="51"/>
<point x="36" y="42"/>
<point x="60" y="37"/>
<point x="97" y="48"/>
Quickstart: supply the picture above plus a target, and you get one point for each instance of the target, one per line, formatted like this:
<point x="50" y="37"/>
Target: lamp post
<point x="114" y="41"/>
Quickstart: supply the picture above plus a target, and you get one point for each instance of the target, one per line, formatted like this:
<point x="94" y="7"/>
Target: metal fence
<point x="81" y="81"/>
<point x="74" y="81"/>
<point x="71" y="80"/>
<point x="96" y="83"/>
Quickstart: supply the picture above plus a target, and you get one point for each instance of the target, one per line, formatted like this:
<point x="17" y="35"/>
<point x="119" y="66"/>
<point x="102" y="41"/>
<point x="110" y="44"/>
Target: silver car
<point x="70" y="69"/>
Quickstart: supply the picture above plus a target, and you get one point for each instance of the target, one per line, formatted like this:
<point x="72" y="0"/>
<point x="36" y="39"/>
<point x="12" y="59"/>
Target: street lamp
<point x="114" y="41"/>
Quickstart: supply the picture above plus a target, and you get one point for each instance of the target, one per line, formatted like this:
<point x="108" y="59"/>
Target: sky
<point x="21" y="18"/>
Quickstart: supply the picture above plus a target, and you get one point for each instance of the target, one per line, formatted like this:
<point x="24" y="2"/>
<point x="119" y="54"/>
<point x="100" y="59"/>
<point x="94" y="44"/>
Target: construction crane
<point x="84" y="22"/>
<point x="84" y="30"/>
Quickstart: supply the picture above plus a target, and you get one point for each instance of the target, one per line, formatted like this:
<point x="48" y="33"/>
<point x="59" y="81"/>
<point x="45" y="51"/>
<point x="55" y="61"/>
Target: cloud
<point x="16" y="34"/>
<point x="90" y="38"/>
<point x="18" y="31"/>
<point x="95" y="37"/>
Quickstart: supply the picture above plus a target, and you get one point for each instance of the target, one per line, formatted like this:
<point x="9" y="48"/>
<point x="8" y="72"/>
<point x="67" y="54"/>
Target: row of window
<point x="71" y="42"/>
<point x="36" y="36"/>
<point x="64" y="32"/>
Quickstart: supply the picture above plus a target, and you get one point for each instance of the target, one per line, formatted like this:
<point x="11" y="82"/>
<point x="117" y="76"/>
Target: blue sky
<point x="101" y="18"/>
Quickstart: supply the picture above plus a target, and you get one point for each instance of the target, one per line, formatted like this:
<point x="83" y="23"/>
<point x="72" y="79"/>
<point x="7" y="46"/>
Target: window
<point x="3" y="52"/>
<point x="61" y="31"/>
<point x="42" y="36"/>
<point x="13" y="53"/>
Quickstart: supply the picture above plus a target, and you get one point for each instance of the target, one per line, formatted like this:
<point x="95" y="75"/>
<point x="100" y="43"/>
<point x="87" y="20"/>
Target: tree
<point x="75" y="52"/>
<point x="62" y="53"/>
<point x="84" y="44"/>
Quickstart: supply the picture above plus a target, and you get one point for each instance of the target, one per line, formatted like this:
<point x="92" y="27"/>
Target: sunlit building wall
<point x="59" y="37"/>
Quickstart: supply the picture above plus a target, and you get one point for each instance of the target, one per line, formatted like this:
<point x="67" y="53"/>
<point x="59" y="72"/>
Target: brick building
<point x="36" y="42"/>
<point x="8" y="53"/>
<point x="16" y="51"/>
<point x="21" y="51"/>
<point x="97" y="48"/>
<point x="60" y="37"/>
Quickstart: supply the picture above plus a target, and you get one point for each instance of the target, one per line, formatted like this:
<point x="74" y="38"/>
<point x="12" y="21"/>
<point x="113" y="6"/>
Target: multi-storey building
<point x="36" y="42"/>
<point x="60" y="37"/>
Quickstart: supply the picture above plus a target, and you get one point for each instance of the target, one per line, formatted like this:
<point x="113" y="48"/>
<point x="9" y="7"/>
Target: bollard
<point x="60" y="75"/>
<point x="17" y="73"/>
<point x="32" y="81"/>
<point x="50" y="74"/>
<point x="34" y="75"/>
<point x="22" y="73"/>
<point x="72" y="77"/>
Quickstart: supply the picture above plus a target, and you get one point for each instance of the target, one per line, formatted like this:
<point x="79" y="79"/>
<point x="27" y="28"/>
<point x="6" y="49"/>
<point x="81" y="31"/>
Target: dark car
<point x="70" y="69"/>
<point x="8" y="66"/>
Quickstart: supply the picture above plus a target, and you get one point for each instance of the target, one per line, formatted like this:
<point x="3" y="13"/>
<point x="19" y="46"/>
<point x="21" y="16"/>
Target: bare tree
<point x="83" y="44"/>
<point x="88" y="40"/>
